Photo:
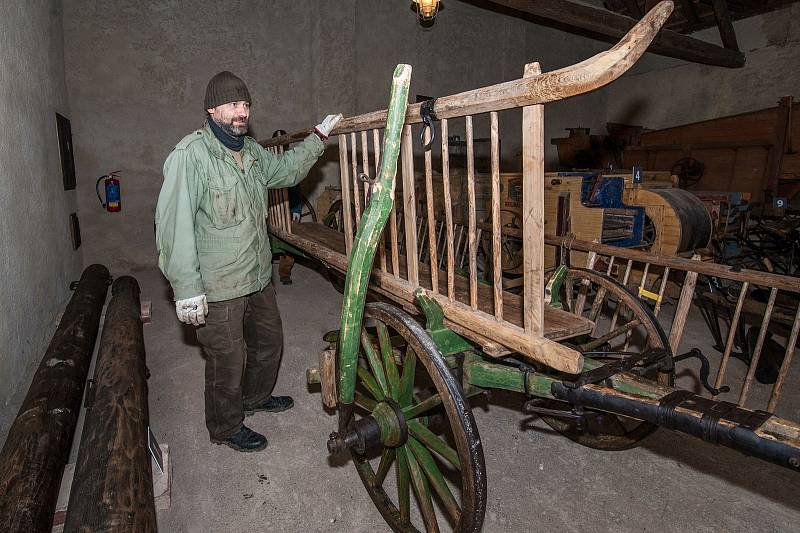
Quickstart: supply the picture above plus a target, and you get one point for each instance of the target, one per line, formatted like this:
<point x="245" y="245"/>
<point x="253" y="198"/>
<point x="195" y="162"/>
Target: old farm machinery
<point x="589" y="354"/>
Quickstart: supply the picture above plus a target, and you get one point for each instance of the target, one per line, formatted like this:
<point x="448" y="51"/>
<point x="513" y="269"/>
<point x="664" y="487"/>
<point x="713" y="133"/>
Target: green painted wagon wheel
<point x="441" y="464"/>
<point x="635" y="330"/>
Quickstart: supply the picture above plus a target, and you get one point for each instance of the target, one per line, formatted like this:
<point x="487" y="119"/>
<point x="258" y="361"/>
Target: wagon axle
<point x="386" y="425"/>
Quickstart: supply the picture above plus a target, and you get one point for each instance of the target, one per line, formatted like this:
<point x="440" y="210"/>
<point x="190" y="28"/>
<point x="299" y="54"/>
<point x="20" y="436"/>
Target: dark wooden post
<point x="38" y="443"/>
<point x="113" y="485"/>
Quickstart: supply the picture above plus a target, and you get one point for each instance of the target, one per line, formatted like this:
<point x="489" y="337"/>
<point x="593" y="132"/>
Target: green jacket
<point x="211" y="227"/>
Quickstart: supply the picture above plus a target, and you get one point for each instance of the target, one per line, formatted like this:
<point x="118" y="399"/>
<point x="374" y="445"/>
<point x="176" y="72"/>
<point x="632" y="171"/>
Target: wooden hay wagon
<point x="590" y="355"/>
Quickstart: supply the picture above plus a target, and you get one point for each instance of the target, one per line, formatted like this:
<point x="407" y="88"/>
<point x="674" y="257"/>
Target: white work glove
<point x="192" y="310"/>
<point x="295" y="217"/>
<point x="324" y="130"/>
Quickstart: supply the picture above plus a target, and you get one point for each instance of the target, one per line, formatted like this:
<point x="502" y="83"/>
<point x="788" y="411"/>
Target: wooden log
<point x="580" y="78"/>
<point x="409" y="206"/>
<point x="533" y="211"/>
<point x="347" y="221"/>
<point x="497" y="267"/>
<point x="472" y="240"/>
<point x="448" y="212"/>
<point x="38" y="442"/>
<point x="113" y="485"/>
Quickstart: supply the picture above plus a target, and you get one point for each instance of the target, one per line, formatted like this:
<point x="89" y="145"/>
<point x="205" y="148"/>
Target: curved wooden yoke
<point x="409" y="259"/>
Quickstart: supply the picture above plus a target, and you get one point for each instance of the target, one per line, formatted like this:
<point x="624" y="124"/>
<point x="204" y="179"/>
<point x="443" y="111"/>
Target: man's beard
<point x="230" y="129"/>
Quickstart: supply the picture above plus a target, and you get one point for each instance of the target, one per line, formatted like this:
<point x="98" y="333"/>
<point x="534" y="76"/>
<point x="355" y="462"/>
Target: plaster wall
<point x="137" y="71"/>
<point x="38" y="261"/>
<point x="662" y="92"/>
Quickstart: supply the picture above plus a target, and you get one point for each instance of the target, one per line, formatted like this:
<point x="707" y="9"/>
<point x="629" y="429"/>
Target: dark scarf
<point x="231" y="142"/>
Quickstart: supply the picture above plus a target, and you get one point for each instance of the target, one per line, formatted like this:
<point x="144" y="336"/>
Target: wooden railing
<point x="652" y="275"/>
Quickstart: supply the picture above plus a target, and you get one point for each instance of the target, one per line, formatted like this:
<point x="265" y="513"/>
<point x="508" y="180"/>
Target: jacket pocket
<point x="225" y="207"/>
<point x="216" y="254"/>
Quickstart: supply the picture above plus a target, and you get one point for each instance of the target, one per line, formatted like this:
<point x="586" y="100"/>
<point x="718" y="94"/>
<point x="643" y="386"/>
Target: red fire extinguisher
<point x="111" y="182"/>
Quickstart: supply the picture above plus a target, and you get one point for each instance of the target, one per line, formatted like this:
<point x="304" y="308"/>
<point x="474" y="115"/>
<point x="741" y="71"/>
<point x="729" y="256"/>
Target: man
<point x="211" y="235"/>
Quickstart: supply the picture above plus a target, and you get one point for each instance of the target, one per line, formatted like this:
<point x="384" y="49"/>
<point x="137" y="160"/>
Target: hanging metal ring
<point x="428" y="116"/>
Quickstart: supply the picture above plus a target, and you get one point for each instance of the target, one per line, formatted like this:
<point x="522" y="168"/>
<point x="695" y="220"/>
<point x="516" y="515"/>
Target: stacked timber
<point x="113" y="485"/>
<point x="38" y="443"/>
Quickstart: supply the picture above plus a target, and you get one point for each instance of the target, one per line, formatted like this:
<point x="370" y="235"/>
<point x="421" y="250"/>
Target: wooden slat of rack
<point x="365" y="165"/>
<point x="533" y="211"/>
<point x="787" y="360"/>
<point x="497" y="268"/>
<point x="347" y="221"/>
<point x="472" y="240"/>
<point x="448" y="212"/>
<point x="682" y="309"/>
<point x="434" y="259"/>
<point x="723" y="365"/>
<point x="376" y="147"/>
<point x="762" y="333"/>
<point x="409" y="206"/>
<point x="664" y="278"/>
<point x="356" y="189"/>
<point x="620" y="305"/>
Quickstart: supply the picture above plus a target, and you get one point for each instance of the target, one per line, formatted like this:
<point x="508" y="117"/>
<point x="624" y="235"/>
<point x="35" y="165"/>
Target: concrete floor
<point x="537" y="480"/>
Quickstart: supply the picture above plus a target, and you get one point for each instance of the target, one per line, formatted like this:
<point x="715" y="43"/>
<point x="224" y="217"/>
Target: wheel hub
<point x="386" y="425"/>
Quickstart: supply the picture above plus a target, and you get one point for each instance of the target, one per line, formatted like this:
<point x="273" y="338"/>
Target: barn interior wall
<point x="35" y="244"/>
<point x="137" y="71"/>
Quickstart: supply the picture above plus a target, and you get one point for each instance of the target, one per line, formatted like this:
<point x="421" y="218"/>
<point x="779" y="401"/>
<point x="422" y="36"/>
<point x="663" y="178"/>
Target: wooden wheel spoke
<point x="403" y="498"/>
<point x="411" y="412"/>
<point x="423" y="492"/>
<point x="611" y="425"/>
<point x="407" y="380"/>
<point x="628" y="326"/>
<point x="435" y="478"/>
<point x="432" y="441"/>
<point x="392" y="375"/>
<point x="387" y="458"/>
<point x="374" y="361"/>
<point x="597" y="304"/>
<point x="369" y="383"/>
<point x="364" y="402"/>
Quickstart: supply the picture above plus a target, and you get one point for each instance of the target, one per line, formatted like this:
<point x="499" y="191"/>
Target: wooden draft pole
<point x="38" y="443"/>
<point x="113" y="485"/>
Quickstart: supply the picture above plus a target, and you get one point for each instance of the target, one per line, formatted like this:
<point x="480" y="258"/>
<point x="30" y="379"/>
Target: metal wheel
<point x="441" y="463"/>
<point x="624" y="325"/>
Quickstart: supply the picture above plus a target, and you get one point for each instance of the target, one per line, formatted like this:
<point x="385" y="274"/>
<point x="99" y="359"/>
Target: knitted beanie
<point x="225" y="87"/>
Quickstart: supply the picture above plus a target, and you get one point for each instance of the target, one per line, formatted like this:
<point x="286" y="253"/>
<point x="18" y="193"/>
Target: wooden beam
<point x="610" y="25"/>
<point x="595" y="72"/>
<point x="726" y="32"/>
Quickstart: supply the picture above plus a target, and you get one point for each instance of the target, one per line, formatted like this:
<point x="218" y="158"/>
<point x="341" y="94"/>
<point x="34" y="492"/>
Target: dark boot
<point x="244" y="440"/>
<point x="273" y="404"/>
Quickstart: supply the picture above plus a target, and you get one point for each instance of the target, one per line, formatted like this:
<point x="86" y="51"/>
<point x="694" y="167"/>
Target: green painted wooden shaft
<point x="486" y="375"/>
<point x="368" y="236"/>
